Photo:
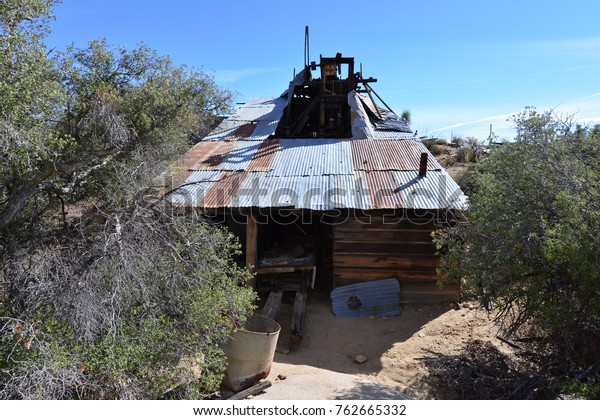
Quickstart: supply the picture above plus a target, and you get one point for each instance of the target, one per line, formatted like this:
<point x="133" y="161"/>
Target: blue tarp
<point x="375" y="298"/>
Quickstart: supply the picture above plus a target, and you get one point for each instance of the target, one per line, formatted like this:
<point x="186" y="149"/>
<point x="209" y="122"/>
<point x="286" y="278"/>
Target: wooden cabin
<point x="325" y="186"/>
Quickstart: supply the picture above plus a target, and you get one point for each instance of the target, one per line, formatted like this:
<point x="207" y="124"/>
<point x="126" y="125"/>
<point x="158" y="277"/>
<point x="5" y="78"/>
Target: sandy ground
<point x="323" y="365"/>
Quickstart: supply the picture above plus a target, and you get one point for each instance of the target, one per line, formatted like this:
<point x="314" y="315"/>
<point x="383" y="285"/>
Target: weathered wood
<point x="383" y="272"/>
<point x="298" y="315"/>
<point x="253" y="390"/>
<point x="386" y="223"/>
<point x="251" y="245"/>
<point x="367" y="249"/>
<point x="274" y="270"/>
<point x="412" y="236"/>
<point x="384" y="248"/>
<point x="273" y="305"/>
<point x="385" y="260"/>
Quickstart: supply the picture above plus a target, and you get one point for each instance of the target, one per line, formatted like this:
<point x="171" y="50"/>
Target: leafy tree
<point x="108" y="293"/>
<point x="531" y="239"/>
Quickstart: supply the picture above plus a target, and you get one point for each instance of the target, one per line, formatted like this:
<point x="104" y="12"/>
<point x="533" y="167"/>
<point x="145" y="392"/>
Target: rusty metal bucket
<point x="250" y="352"/>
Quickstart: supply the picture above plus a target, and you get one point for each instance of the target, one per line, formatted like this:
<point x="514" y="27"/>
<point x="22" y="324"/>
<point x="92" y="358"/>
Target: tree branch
<point x="25" y="190"/>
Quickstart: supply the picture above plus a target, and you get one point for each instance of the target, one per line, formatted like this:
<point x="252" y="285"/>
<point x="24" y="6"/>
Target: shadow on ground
<point x="333" y="343"/>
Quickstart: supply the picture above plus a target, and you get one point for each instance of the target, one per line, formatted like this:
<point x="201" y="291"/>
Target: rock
<point x="471" y="306"/>
<point x="281" y="377"/>
<point x="360" y="359"/>
<point x="422" y="334"/>
<point x="283" y="351"/>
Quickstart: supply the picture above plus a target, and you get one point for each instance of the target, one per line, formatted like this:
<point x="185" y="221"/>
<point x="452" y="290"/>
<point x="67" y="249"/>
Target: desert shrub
<point x="530" y="241"/>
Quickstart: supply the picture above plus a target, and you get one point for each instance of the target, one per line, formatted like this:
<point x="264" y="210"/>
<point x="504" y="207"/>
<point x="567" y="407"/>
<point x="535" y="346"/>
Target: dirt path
<point x="323" y="365"/>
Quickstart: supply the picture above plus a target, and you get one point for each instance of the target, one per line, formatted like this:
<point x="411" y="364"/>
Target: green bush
<point x="531" y="238"/>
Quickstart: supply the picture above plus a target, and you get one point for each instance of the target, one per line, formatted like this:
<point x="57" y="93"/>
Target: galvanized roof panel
<point x="313" y="157"/>
<point x="437" y="190"/>
<point x="263" y="114"/>
<point x="377" y="298"/>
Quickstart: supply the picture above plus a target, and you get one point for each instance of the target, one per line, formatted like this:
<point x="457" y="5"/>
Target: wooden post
<point x="251" y="245"/>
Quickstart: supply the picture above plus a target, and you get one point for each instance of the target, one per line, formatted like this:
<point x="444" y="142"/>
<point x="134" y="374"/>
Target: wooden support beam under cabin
<point x="273" y="304"/>
<point x="298" y="318"/>
<point x="251" y="245"/>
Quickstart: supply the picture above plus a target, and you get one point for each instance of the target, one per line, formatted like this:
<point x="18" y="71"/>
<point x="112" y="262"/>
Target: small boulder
<point x="360" y="359"/>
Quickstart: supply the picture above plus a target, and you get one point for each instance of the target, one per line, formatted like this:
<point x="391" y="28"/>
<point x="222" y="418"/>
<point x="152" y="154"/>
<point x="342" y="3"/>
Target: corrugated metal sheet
<point x="240" y="156"/>
<point x="377" y="298"/>
<point x="384" y="155"/>
<point x="223" y="190"/>
<point x="213" y="159"/>
<point x="437" y="190"/>
<point x="262" y="114"/>
<point x="250" y="170"/>
<point x="198" y="153"/>
<point x="194" y="187"/>
<point x="264" y="156"/>
<point x="384" y="190"/>
<point x="313" y="157"/>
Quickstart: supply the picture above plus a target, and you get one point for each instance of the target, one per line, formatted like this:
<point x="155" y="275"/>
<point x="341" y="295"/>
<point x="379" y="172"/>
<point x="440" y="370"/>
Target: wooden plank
<point x="251" y="244"/>
<point x="387" y="223"/>
<point x="273" y="304"/>
<point x="384" y="248"/>
<point x="385" y="260"/>
<point x="298" y="315"/>
<point x="383" y="273"/>
<point x="274" y="270"/>
<point x="408" y="236"/>
<point x="253" y="390"/>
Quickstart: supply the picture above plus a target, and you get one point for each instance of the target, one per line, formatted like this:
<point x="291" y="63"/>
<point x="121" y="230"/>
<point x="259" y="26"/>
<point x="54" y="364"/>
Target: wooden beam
<point x="298" y="318"/>
<point x="273" y="304"/>
<point x="259" y="387"/>
<point x="251" y="245"/>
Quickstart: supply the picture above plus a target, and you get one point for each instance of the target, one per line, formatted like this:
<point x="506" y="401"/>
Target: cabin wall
<point x="367" y="249"/>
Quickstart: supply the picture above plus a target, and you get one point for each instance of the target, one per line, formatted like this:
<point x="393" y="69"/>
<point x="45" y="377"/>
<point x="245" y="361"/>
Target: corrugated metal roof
<point x="193" y="188"/>
<point x="264" y="156"/>
<point x="384" y="155"/>
<point x="262" y="114"/>
<point x="377" y="298"/>
<point x="437" y="190"/>
<point x="239" y="166"/>
<point x="313" y="157"/>
<point x="223" y="190"/>
<point x="384" y="190"/>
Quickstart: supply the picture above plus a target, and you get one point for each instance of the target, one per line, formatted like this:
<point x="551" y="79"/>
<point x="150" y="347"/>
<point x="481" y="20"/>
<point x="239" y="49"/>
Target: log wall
<point x="368" y="249"/>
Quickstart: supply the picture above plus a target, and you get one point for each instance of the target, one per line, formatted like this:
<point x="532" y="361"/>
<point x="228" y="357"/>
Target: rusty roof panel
<point x="215" y="157"/>
<point x="384" y="190"/>
<point x="385" y="155"/>
<point x="264" y="156"/>
<point x="223" y="190"/>
<point x="193" y="188"/>
<point x="199" y="152"/>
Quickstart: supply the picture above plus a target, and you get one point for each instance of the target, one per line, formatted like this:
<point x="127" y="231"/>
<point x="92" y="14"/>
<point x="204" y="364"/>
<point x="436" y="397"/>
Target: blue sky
<point x="456" y="66"/>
